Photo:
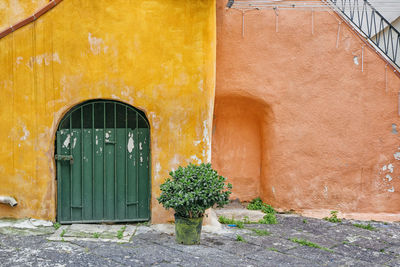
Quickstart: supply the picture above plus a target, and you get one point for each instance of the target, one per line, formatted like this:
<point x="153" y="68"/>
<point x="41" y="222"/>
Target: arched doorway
<point x="103" y="164"/>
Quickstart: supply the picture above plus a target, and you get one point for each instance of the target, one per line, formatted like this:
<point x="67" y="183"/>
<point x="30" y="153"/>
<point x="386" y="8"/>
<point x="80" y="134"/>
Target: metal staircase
<point x="359" y="14"/>
<point x="373" y="26"/>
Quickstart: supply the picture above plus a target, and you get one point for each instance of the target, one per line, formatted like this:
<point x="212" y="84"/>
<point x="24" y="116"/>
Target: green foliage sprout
<point x="367" y="227"/>
<point x="333" y="218"/>
<point x="308" y="244"/>
<point x="269" y="217"/>
<point x="192" y="189"/>
<point x="224" y="220"/>
<point x="240" y="238"/>
<point x="56" y="225"/>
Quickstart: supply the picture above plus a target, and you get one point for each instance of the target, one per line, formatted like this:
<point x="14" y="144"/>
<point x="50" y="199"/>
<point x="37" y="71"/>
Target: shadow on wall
<point x="242" y="134"/>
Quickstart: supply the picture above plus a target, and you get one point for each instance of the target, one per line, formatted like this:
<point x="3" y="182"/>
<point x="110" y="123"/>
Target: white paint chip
<point x="67" y="141"/>
<point x="389" y="177"/>
<point x="396" y="155"/>
<point x="26" y="134"/>
<point x="131" y="144"/>
<point x="355" y="60"/>
<point x="391" y="190"/>
<point x="390" y="167"/>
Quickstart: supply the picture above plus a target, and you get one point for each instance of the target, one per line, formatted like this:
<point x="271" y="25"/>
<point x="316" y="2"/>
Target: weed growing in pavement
<point x="260" y="232"/>
<point x="382" y="250"/>
<point x="304" y="221"/>
<point x="273" y="249"/>
<point x="333" y="218"/>
<point x="257" y="204"/>
<point x="246" y="220"/>
<point x="224" y="220"/>
<point x="63" y="233"/>
<point x="240" y="238"/>
<point x="120" y="232"/>
<point x="56" y="225"/>
<point x="308" y="244"/>
<point x="96" y="235"/>
<point x="268" y="218"/>
<point x="367" y="227"/>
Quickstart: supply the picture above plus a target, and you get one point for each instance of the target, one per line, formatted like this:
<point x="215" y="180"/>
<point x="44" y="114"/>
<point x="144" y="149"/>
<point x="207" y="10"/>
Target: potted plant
<point x="190" y="191"/>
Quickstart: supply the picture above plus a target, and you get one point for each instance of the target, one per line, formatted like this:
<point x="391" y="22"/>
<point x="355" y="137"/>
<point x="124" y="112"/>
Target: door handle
<point x="66" y="158"/>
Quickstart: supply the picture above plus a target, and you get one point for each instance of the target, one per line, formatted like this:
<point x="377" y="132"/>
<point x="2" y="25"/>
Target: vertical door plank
<point x="64" y="182"/>
<point x="87" y="174"/>
<point x="109" y="173"/>
<point x="98" y="176"/>
<point x="132" y="174"/>
<point x="76" y="150"/>
<point x="143" y="164"/>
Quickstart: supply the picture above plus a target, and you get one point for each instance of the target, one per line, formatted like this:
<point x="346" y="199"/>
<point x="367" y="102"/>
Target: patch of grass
<point x="308" y="244"/>
<point x="269" y="218"/>
<point x="367" y="227"/>
<point x="56" y="225"/>
<point x="333" y="218"/>
<point x="224" y="220"/>
<point x="240" y="238"/>
<point x="120" y="232"/>
<point x="63" y="233"/>
<point x="345" y="242"/>
<point x="273" y="249"/>
<point x="260" y="232"/>
<point x="382" y="250"/>
<point x="304" y="221"/>
<point x="96" y="235"/>
<point x="385" y="223"/>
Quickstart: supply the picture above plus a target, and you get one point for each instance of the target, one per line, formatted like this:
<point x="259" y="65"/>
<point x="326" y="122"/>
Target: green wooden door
<point x="103" y="160"/>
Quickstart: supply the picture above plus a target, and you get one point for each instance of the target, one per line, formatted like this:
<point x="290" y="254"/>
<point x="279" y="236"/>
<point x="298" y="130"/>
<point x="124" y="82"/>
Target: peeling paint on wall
<point x="96" y="45"/>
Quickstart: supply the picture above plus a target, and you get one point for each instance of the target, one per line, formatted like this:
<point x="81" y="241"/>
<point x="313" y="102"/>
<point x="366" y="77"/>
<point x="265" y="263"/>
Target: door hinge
<point x="65" y="157"/>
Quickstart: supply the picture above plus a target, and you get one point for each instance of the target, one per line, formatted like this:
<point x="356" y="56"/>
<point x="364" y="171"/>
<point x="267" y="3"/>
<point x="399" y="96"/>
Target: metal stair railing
<point x="373" y="25"/>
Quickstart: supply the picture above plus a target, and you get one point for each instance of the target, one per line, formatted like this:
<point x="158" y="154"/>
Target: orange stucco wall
<point x="329" y="133"/>
<point x="158" y="56"/>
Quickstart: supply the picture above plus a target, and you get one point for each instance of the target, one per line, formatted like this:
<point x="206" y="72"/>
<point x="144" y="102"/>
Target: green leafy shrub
<point x="192" y="189"/>
<point x="333" y="218"/>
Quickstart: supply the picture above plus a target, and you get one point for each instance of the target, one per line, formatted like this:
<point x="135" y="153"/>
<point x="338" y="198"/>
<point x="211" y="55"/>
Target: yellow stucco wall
<point x="13" y="11"/>
<point x="158" y="56"/>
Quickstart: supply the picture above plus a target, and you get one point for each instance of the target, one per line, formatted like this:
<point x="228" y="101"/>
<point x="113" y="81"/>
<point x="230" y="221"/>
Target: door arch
<point x="103" y="164"/>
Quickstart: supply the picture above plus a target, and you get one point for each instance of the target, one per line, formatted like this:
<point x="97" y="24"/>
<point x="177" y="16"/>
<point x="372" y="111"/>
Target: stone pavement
<point x="294" y="241"/>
